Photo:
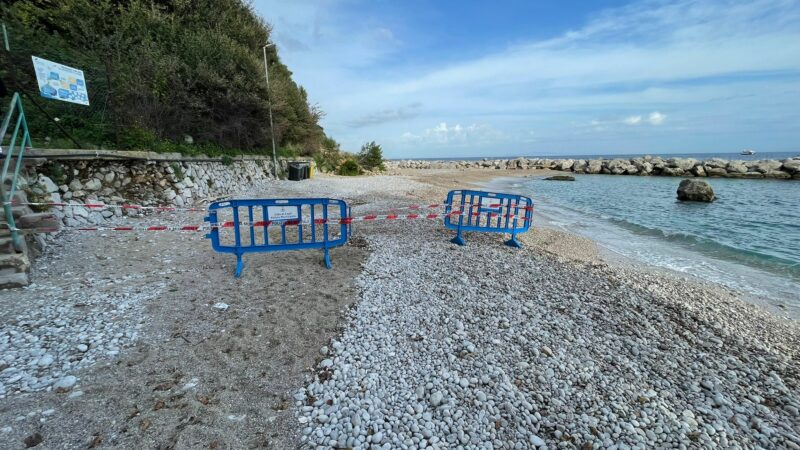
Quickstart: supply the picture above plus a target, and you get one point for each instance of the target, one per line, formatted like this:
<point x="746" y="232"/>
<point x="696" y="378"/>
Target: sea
<point x="748" y="239"/>
<point x="701" y="156"/>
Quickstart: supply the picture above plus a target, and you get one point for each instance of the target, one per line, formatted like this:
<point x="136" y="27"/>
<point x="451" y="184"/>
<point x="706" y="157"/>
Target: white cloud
<point x="714" y="62"/>
<point x="632" y="120"/>
<point x="443" y="134"/>
<point x="656" y="118"/>
<point x="387" y="115"/>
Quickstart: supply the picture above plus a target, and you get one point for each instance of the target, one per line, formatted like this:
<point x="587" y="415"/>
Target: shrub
<point x="290" y="151"/>
<point x="178" y="170"/>
<point x="138" y="139"/>
<point x="328" y="156"/>
<point x="37" y="193"/>
<point x="327" y="160"/>
<point x="349" y="168"/>
<point x="55" y="172"/>
<point x="227" y="160"/>
<point x="371" y="156"/>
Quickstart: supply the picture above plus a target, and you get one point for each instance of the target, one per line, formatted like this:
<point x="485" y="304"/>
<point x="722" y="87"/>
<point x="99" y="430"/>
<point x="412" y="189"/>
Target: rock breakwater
<point x="647" y="165"/>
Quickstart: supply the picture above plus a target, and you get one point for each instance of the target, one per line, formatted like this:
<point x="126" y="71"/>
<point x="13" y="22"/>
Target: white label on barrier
<point x="282" y="212"/>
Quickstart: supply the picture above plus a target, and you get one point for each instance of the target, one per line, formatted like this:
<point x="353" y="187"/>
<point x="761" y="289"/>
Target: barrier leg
<point x="239" y="265"/>
<point x="458" y="239"/>
<point x="328" y="259"/>
<point x="513" y="242"/>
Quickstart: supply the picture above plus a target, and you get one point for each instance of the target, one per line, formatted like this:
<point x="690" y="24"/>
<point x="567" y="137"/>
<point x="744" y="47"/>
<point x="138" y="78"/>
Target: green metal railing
<point x="7" y="153"/>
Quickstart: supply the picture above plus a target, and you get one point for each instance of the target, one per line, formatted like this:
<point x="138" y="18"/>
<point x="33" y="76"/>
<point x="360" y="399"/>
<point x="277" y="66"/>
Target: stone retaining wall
<point x="647" y="165"/>
<point x="146" y="182"/>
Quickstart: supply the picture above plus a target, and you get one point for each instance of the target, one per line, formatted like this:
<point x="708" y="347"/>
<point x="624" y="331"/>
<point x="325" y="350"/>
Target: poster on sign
<point x="282" y="212"/>
<point x="60" y="82"/>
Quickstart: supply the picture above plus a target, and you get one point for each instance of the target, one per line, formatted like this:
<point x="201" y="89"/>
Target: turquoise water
<point x="748" y="239"/>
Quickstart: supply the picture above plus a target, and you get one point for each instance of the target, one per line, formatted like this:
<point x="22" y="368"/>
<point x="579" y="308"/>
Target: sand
<point x="202" y="377"/>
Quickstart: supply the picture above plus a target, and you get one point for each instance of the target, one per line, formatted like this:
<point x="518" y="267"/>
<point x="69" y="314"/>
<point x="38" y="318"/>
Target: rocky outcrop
<point x="695" y="191"/>
<point x="560" y="178"/>
<point x="641" y="166"/>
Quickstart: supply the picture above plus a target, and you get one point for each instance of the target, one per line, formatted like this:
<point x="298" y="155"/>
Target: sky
<point x="448" y="78"/>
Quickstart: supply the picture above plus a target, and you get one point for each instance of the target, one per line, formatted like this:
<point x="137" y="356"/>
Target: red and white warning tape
<point x="268" y="223"/>
<point x="458" y="205"/>
<point x="202" y="208"/>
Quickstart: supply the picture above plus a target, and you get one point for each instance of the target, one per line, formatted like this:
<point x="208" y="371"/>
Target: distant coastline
<point x="733" y="155"/>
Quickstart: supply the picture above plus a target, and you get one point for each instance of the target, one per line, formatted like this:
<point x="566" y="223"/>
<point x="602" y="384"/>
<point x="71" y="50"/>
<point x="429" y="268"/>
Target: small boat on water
<point x="748" y="152"/>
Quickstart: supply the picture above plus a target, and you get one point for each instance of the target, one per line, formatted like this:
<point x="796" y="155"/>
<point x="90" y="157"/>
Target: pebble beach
<point x="488" y="347"/>
<point x="410" y="342"/>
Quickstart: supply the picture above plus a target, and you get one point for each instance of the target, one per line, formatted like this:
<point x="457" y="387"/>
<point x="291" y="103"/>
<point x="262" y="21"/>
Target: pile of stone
<point x="646" y="165"/>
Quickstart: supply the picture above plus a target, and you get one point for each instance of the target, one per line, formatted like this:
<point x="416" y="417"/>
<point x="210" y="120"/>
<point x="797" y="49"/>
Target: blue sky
<point x="505" y="78"/>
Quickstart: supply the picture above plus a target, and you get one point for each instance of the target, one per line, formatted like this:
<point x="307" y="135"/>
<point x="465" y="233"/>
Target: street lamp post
<point x="269" y="104"/>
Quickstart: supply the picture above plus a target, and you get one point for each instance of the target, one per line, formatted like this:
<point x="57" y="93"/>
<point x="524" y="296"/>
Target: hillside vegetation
<point x="163" y="75"/>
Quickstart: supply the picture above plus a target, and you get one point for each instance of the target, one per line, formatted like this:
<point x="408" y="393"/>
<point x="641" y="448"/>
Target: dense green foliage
<point x="329" y="157"/>
<point x="371" y="156"/>
<point x="349" y="168"/>
<point x="163" y="75"/>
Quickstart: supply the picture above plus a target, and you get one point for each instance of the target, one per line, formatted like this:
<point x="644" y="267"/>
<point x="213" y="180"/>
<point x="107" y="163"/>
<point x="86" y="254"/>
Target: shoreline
<point x="489" y="179"/>
<point x="777" y="304"/>
<point x="404" y="320"/>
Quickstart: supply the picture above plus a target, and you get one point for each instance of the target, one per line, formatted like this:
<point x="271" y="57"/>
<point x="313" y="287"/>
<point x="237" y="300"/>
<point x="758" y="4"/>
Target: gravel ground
<point x="484" y="346"/>
<point x="481" y="346"/>
<point x="118" y="343"/>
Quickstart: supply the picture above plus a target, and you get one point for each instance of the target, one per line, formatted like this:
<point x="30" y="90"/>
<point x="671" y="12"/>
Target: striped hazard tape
<point x="282" y="223"/>
<point x="203" y="208"/>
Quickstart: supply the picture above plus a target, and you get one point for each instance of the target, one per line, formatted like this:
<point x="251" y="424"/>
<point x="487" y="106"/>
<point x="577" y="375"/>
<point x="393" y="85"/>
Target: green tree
<point x="371" y="156"/>
<point x="159" y="70"/>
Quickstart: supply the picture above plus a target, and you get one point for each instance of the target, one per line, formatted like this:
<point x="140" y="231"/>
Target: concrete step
<point x="14" y="280"/>
<point x="19" y="211"/>
<point x="16" y="211"/>
<point x="38" y="220"/>
<point x="6" y="245"/>
<point x="14" y="262"/>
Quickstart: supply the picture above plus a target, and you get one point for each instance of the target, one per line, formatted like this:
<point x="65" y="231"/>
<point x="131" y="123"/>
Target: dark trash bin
<point x="295" y="171"/>
<point x="299" y="170"/>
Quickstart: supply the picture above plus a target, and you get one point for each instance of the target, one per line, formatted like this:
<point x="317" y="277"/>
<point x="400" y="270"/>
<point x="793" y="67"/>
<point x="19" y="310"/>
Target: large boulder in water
<point x="695" y="191"/>
<point x="594" y="166"/>
<point x="736" y="167"/>
<point x="768" y="166"/>
<point x="792" y="165"/>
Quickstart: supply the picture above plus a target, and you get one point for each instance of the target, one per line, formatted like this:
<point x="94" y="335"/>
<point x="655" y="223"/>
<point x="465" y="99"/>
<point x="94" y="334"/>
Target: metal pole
<point x="269" y="104"/>
<point x="5" y="37"/>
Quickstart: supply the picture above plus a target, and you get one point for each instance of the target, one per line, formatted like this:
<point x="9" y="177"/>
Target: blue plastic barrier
<point x="296" y="224"/>
<point x="488" y="212"/>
